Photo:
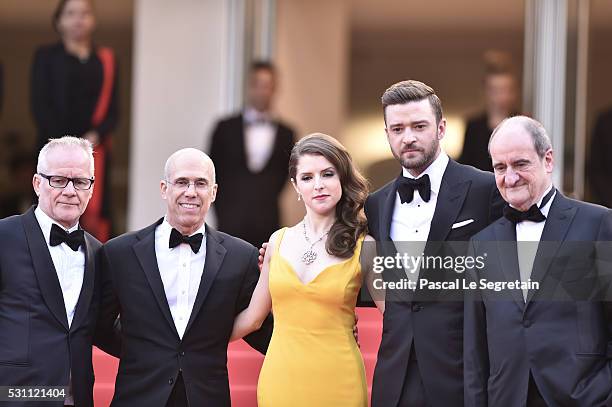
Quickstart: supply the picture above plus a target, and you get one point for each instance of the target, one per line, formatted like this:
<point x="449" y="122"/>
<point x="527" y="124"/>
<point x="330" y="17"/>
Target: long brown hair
<point x="350" y="221"/>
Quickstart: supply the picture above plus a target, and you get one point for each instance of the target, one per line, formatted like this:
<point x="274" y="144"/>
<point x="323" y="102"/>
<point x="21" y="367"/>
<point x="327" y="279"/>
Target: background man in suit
<point x="420" y="356"/>
<point x="533" y="348"/>
<point x="600" y="165"/>
<point x="178" y="285"/>
<point x="48" y="293"/>
<point x="251" y="154"/>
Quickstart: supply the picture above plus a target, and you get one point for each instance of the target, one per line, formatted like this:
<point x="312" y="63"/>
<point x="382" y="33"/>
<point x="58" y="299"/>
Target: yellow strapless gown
<point x="313" y="359"/>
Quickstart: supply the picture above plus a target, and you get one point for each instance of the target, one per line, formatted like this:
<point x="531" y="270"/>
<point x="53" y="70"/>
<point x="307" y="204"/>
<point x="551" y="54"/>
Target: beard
<point x="421" y="161"/>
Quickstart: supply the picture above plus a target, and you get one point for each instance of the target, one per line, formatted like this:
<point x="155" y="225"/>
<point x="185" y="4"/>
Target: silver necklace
<point x="310" y="255"/>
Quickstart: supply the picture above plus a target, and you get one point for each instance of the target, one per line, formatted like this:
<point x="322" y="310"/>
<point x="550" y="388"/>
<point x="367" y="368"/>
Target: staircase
<point x="244" y="364"/>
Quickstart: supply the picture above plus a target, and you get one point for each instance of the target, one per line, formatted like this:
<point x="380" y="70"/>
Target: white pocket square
<point x="462" y="223"/>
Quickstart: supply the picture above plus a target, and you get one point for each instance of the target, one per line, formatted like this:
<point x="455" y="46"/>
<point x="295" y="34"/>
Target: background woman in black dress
<point x="73" y="91"/>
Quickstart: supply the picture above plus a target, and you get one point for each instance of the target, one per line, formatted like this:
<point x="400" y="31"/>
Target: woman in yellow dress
<point x="311" y="277"/>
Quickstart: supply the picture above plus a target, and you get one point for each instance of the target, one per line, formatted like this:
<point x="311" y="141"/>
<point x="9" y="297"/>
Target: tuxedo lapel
<point x="276" y="145"/>
<point x="215" y="253"/>
<point x="505" y="236"/>
<point x="44" y="269"/>
<point x="556" y="227"/>
<point x="386" y="215"/>
<point x="453" y="190"/>
<point x="145" y="252"/>
<point x="87" y="289"/>
<point x="241" y="140"/>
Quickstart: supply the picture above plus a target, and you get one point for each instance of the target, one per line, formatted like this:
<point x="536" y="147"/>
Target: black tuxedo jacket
<point x="37" y="348"/>
<point x="153" y="354"/>
<point x="564" y="340"/>
<point x="247" y="203"/>
<point x="432" y="328"/>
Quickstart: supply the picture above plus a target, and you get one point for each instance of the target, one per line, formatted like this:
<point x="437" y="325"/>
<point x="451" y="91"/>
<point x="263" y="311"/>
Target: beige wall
<point x="312" y="49"/>
<point x="180" y="66"/>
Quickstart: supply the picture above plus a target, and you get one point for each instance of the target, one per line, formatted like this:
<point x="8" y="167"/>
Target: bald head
<point x="189" y="154"/>
<point x="541" y="141"/>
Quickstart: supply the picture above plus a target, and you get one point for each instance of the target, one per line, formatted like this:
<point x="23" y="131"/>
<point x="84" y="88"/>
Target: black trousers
<point x="534" y="398"/>
<point x="413" y="392"/>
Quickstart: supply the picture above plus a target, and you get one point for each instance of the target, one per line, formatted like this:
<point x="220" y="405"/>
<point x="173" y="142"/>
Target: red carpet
<point x="244" y="364"/>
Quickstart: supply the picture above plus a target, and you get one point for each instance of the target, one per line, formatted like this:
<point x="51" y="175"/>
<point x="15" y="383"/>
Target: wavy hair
<point x="350" y="221"/>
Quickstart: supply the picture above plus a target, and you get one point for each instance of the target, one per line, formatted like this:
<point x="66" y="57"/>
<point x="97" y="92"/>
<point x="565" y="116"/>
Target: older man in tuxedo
<point x="178" y="286"/>
<point x="49" y="295"/>
<point x="550" y="343"/>
<point x="434" y="199"/>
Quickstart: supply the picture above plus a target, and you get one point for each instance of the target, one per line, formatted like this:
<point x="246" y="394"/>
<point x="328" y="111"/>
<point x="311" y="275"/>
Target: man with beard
<point x="434" y="199"/>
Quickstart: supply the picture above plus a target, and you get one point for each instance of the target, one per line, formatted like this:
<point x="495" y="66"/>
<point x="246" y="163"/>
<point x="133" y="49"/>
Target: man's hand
<point x="262" y="253"/>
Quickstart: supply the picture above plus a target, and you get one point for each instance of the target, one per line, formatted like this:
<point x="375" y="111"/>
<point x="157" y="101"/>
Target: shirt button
<point x="183" y="292"/>
<point x="526" y="323"/>
<point x="184" y="264"/>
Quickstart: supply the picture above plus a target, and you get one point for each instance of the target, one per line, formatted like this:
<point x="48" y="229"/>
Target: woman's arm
<point x="368" y="253"/>
<point x="253" y="316"/>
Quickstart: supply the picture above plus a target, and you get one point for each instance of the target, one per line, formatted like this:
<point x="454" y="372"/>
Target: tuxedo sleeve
<point x="107" y="335"/>
<point x="365" y="299"/>
<point x="259" y="339"/>
<point x="475" y="346"/>
<point x="604" y="265"/>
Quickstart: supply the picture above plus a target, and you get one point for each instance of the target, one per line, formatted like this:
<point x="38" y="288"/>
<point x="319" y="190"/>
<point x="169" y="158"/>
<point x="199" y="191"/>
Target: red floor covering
<point x="244" y="364"/>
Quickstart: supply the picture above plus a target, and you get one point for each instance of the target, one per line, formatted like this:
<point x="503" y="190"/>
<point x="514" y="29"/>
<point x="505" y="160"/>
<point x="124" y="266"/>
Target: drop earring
<point x="299" y="196"/>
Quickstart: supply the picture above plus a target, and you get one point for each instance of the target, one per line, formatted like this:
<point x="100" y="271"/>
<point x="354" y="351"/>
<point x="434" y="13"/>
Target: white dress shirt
<point x="181" y="271"/>
<point x="411" y="221"/>
<point x="69" y="264"/>
<point x="259" y="136"/>
<point x="528" y="232"/>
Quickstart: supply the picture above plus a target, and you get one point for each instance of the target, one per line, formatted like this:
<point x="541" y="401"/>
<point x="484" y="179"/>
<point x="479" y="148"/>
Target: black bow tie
<point x="73" y="239"/>
<point x="195" y="241"/>
<point x="407" y="186"/>
<point x="533" y="214"/>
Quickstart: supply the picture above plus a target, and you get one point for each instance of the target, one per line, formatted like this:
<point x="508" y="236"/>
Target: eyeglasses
<point x="57" y="181"/>
<point x="183" y="184"/>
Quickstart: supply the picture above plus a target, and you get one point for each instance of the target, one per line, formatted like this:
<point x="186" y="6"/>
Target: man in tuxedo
<point x="548" y="344"/>
<point x="600" y="165"/>
<point x="49" y="295"/>
<point x="178" y="286"/>
<point x="435" y="199"/>
<point x="251" y="154"/>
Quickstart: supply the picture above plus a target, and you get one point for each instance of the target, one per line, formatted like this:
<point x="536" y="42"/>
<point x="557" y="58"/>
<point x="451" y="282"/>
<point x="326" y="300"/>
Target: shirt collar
<point x="546" y="208"/>
<point x="252" y="115"/>
<point x="435" y="171"/>
<point x="45" y="222"/>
